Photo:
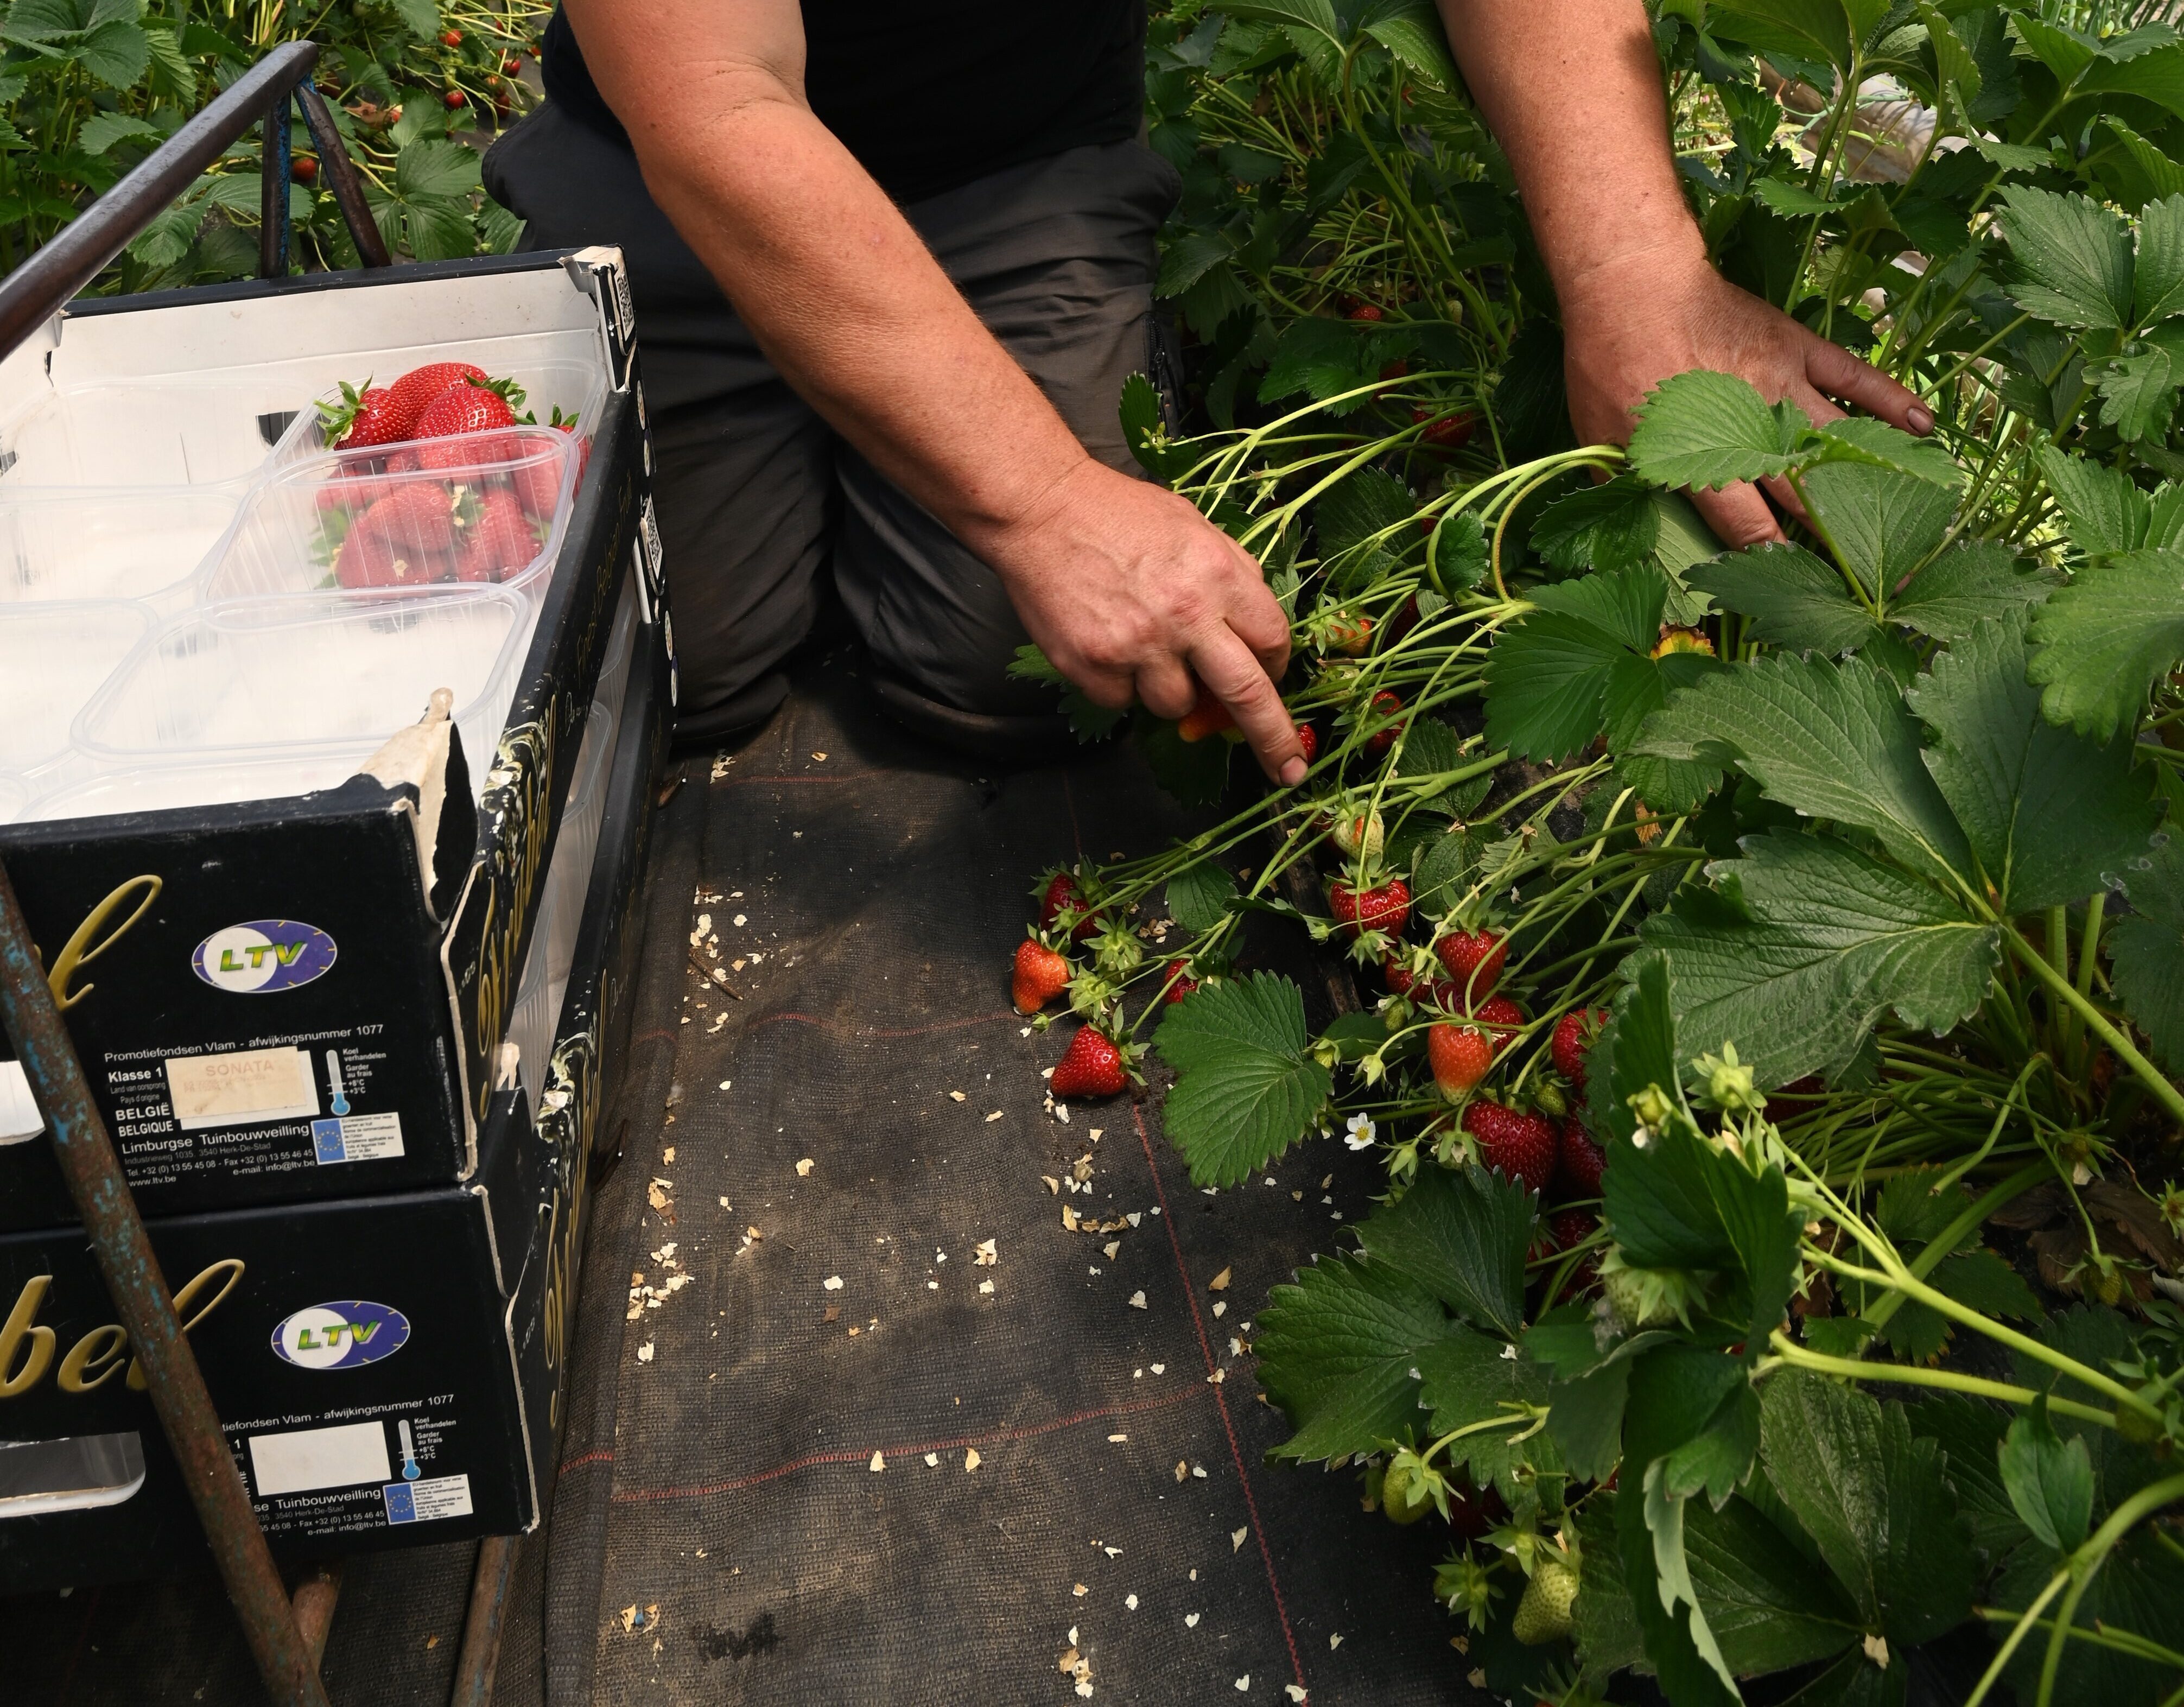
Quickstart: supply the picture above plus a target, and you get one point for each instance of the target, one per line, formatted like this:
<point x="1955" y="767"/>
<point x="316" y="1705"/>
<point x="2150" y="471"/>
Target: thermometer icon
<point x="334" y="1080"/>
<point x="410" y="1471"/>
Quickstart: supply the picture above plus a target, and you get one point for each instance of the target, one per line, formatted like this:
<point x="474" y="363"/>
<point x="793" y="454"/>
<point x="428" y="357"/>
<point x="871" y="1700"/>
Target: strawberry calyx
<point x="336" y="420"/>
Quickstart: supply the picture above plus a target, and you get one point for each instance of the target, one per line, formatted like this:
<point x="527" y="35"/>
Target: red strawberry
<point x="1308" y="739"/>
<point x="1573" y="1040"/>
<point x="363" y="418"/>
<point x="1367" y="311"/>
<point x="1208" y="716"/>
<point x="1570" y="1228"/>
<point x="1521" y="1145"/>
<point x="1503" y="1019"/>
<point x="451" y="38"/>
<point x="453" y="98"/>
<point x="1357" y="910"/>
<point x="305" y="168"/>
<point x="498" y="543"/>
<point x="1385" y="704"/>
<point x="417" y="388"/>
<point x="1460" y="1056"/>
<point x="1473" y="959"/>
<point x="1445" y="432"/>
<point x="1472" y="1513"/>
<point x="1396" y="369"/>
<point x="1184" y="984"/>
<point x="1401" y="980"/>
<point x="1062" y="892"/>
<point x="1092" y="1066"/>
<point x="405" y="540"/>
<point x="1581" y="1160"/>
<point x="474" y="406"/>
<point x="1041" y="974"/>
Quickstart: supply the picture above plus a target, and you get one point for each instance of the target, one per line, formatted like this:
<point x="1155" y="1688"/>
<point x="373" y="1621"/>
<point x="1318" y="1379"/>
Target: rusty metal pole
<point x="482" y="1629"/>
<point x="140" y="1294"/>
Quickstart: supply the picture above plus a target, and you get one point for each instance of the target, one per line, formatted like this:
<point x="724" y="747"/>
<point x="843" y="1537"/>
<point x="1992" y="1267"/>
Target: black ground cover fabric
<point x="790" y="1517"/>
<point x="721" y="1534"/>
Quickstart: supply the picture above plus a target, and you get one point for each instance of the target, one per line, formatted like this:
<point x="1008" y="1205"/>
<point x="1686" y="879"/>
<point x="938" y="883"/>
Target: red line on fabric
<point x="880" y="1030"/>
<point x="604" y="1455"/>
<point x="634" y="1496"/>
<point x="1228" y="1423"/>
<point x="662" y="1033"/>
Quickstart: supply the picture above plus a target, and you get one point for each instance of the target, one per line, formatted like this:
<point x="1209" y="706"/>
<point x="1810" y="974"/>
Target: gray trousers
<point x="758" y="498"/>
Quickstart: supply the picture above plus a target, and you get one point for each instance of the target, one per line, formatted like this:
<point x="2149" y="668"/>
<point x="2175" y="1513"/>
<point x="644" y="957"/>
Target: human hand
<point x="1630" y="325"/>
<point x="1130" y="592"/>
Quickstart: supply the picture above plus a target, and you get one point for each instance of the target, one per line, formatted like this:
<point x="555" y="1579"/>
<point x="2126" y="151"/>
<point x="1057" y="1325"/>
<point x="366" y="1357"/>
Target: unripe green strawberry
<point x="1543" y="1615"/>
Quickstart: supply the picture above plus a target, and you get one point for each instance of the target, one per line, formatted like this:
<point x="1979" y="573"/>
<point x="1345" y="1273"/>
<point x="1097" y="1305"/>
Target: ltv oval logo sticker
<point x="344" y="1335"/>
<point x="264" y="956"/>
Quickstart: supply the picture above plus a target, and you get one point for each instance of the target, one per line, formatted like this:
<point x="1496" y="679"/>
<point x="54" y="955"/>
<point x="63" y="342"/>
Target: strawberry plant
<point x="1768" y="959"/>
<point x="90" y="87"/>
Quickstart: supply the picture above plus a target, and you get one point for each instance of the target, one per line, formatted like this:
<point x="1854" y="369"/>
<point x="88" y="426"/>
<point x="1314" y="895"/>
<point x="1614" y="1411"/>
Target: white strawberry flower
<point x="1362" y="1133"/>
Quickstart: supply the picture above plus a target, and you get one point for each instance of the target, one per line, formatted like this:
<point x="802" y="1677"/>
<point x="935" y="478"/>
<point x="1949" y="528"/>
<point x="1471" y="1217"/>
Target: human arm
<point x="1572" y="90"/>
<point x="1127" y="587"/>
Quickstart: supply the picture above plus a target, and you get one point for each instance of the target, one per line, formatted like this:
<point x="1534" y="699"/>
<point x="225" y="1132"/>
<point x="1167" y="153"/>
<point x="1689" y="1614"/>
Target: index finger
<point x="1236" y="678"/>
<point x="1835" y="371"/>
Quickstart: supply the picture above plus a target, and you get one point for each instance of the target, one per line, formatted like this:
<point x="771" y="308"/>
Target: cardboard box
<point x="390" y="1369"/>
<point x="302" y="996"/>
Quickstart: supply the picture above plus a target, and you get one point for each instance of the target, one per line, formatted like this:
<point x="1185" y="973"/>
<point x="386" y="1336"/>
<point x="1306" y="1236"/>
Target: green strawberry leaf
<point x="1339" y="1352"/>
<point x="1610" y="528"/>
<point x="2139" y="1588"/>
<point x="1458" y="552"/>
<point x="1860" y="441"/>
<point x="1410" y="29"/>
<point x="1245" y="1090"/>
<point x="1875" y="1501"/>
<point x="2074" y="259"/>
<point x="2103" y="511"/>
<point x="1088" y="722"/>
<point x="1195" y="773"/>
<point x="1545" y="678"/>
<point x="1767" y="1606"/>
<point x="1965" y="586"/>
<point x="2047" y="812"/>
<point x="1144" y="430"/>
<point x="2158" y="279"/>
<point x="2147" y="948"/>
<point x="1461" y="1233"/>
<point x="1200" y="896"/>
<point x="1882" y="523"/>
<point x="2138" y="394"/>
<point x="1795" y="601"/>
<point x="2049" y="1480"/>
<point x="1637" y="1049"/>
<point x="1799" y="947"/>
<point x="1703" y="429"/>
<point x="1471" y="1378"/>
<point x="2101" y="642"/>
<point x="1970" y="1433"/>
<point x="1828" y="740"/>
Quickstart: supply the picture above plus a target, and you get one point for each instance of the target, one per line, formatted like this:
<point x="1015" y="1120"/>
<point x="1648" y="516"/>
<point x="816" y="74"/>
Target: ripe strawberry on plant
<point x="1349" y="633"/>
<point x="1501" y="1019"/>
<point x="1092" y="1066"/>
<point x="1386" y="704"/>
<point x="1206" y="716"/>
<point x="1521" y="1145"/>
<point x="498" y="540"/>
<point x="1367" y="312"/>
<point x="1308" y="739"/>
<point x="1040" y="975"/>
<point x="1384" y="908"/>
<point x="1474" y="958"/>
<point x="1575" y="1033"/>
<point x="1182" y="983"/>
<point x="1459" y="1055"/>
<point x="1062" y="894"/>
<point x="1580" y="1162"/>
<point x="1445" y="432"/>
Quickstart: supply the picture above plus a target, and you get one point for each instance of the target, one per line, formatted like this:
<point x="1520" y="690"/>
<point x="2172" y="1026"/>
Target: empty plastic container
<point x="310" y="678"/>
<point x="54" y="659"/>
<point x="109" y="544"/>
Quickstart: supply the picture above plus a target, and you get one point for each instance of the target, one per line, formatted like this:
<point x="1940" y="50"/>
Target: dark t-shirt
<point x="930" y="94"/>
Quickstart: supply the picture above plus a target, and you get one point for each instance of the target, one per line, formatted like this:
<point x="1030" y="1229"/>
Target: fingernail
<point x="1921" y="420"/>
<point x="1293" y="773"/>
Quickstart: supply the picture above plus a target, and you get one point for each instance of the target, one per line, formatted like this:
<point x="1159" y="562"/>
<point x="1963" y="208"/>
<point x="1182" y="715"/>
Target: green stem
<point x="1788" y="1351"/>
<point x="2083" y="1565"/>
<point x="2154" y="1079"/>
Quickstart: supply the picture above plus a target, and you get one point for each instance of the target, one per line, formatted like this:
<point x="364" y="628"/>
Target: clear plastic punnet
<point x="54" y="659"/>
<point x="203" y="603"/>
<point x="109" y="544"/>
<point x="473" y="509"/>
<point x="306" y="677"/>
